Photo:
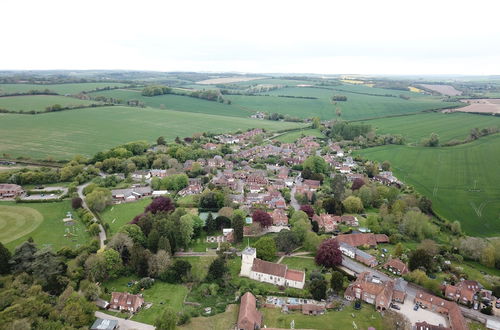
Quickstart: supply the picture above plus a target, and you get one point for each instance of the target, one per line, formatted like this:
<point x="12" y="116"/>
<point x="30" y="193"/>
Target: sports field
<point x="42" y="221"/>
<point x="39" y="102"/>
<point x="87" y="131"/>
<point x="62" y="89"/>
<point x="447" y="126"/>
<point x="461" y="181"/>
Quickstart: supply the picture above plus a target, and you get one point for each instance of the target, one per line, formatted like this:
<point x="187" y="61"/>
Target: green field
<point x="39" y="102"/>
<point x="87" y="131"/>
<point x="448" y="126"/>
<point x="222" y="321"/>
<point x="161" y="294"/>
<point x="364" y="318"/>
<point x="121" y="214"/>
<point x="293" y="136"/>
<point x="42" y="221"/>
<point x="357" y="107"/>
<point x="62" y="89"/>
<point x="461" y="181"/>
<point x="179" y="103"/>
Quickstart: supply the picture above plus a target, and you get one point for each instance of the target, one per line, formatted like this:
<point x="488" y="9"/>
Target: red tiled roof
<point x="398" y="264"/>
<point x="249" y="316"/>
<point x="266" y="267"/>
<point x="294" y="275"/>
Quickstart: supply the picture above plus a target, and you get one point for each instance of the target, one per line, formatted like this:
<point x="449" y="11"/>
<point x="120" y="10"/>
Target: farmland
<point x="442" y="89"/>
<point x="39" y="102"/>
<point x="447" y="126"/>
<point x="42" y="221"/>
<point x="87" y="131"/>
<point x="62" y="89"/>
<point x="482" y="106"/>
<point x="461" y="181"/>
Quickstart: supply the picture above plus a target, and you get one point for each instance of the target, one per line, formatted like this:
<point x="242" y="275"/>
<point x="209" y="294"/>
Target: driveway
<point x="421" y="314"/>
<point x="48" y="193"/>
<point x="102" y="232"/>
<point x="125" y="324"/>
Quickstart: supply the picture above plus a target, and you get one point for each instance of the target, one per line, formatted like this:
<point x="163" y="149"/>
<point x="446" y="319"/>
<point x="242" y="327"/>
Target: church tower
<point x="247" y="257"/>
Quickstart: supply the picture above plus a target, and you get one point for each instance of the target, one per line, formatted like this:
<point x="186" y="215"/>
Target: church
<point x="265" y="271"/>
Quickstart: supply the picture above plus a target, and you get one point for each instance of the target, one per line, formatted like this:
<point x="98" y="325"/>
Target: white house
<point x="264" y="271"/>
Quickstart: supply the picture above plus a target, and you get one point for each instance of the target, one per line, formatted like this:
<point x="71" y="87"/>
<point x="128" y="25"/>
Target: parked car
<point x="415" y="308"/>
<point x="497" y="304"/>
<point x="396" y="307"/>
<point x="385" y="250"/>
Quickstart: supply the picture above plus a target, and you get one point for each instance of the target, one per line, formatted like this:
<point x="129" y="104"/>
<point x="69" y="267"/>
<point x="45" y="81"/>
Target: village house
<point x="209" y="146"/>
<point x="326" y="222"/>
<point x="8" y="190"/>
<point x="131" y="194"/>
<point x="439" y="305"/>
<point x="358" y="254"/>
<point x="157" y="173"/>
<point x="249" y="318"/>
<point x="141" y="175"/>
<point x="279" y="217"/>
<point x="192" y="189"/>
<point x="427" y="326"/>
<point x="362" y="239"/>
<point x="126" y="302"/>
<point x="349" y="220"/>
<point x="373" y="290"/>
<point x="264" y="271"/>
<point x="396" y="267"/>
<point x="465" y="292"/>
<point x="313" y="185"/>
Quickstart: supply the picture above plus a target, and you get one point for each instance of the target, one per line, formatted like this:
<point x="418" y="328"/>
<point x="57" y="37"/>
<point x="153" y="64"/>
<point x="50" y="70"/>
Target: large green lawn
<point x="39" y="102"/>
<point x="50" y="229"/>
<point x="58" y="88"/>
<point x="121" y="214"/>
<point x="179" y="103"/>
<point x="461" y="181"/>
<point x="359" y="105"/>
<point x="161" y="294"/>
<point x="87" y="131"/>
<point x="448" y="126"/>
<point x="363" y="319"/>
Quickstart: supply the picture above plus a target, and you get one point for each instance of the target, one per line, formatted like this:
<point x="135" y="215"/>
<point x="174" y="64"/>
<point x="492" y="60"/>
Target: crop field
<point x="461" y="181"/>
<point x="357" y="107"/>
<point x="87" y="131"/>
<point x="482" y="106"/>
<point x="443" y="89"/>
<point x="62" y="89"/>
<point x="448" y="126"/>
<point x="226" y="80"/>
<point x="39" y="102"/>
<point x="293" y="136"/>
<point x="121" y="214"/>
<point x="179" y="103"/>
<point x="42" y="221"/>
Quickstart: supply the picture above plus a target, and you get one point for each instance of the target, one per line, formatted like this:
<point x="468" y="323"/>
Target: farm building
<point x="126" y="302"/>
<point x="249" y="318"/>
<point x="264" y="271"/>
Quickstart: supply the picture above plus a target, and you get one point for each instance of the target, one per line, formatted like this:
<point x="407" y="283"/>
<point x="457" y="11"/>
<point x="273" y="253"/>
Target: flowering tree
<point x="329" y="254"/>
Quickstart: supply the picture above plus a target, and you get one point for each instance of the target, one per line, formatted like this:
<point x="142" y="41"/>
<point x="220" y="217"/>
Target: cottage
<point x="279" y="217"/>
<point x="158" y="173"/>
<point x="8" y="190"/>
<point x="326" y="222"/>
<point x="249" y="318"/>
<point x="360" y="239"/>
<point x="264" y="271"/>
<point x="126" y="302"/>
<point x="439" y="305"/>
<point x="349" y="220"/>
<point x="131" y="194"/>
<point x="464" y="292"/>
<point x="396" y="266"/>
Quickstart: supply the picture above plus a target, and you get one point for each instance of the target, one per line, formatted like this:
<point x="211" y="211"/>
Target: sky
<point x="326" y="37"/>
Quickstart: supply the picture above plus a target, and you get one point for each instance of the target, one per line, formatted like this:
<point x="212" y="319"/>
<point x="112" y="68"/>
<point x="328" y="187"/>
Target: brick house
<point x="8" y="190"/>
<point x="126" y="302"/>
<point x="327" y="222"/>
<point x="439" y="305"/>
<point x="396" y="266"/>
<point x="360" y="239"/>
<point x="279" y="217"/>
<point x="249" y="318"/>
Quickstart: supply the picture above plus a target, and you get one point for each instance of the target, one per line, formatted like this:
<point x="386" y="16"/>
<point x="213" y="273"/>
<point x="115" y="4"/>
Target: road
<point x="125" y="324"/>
<point x="102" y="232"/>
<point x="293" y="200"/>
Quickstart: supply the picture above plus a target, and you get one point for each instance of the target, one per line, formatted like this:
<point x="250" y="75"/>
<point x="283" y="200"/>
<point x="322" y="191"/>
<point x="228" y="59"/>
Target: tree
<point x="164" y="244"/>
<point x="352" y="204"/>
<point x="212" y="200"/>
<point x="161" y="141"/>
<point x="160" y="204"/>
<point x="318" y="286"/>
<point x="488" y="256"/>
<point x="430" y="246"/>
<point x="158" y="263"/>
<point x="337" y="281"/>
<point x="311" y="242"/>
<point x="98" y="199"/>
<point x="329" y="254"/>
<point x="366" y="196"/>
<point x="76" y="203"/>
<point x="398" y="250"/>
<point x="315" y="164"/>
<point x="178" y="272"/>
<point x="418" y="225"/>
<point x="94" y="229"/>
<point x="5" y="256"/>
<point x="135" y="233"/>
<point x="238" y="225"/>
<point x="425" y="205"/>
<point x="456" y="228"/>
<point x="301" y="227"/>
<point x="263" y="218"/>
<point x="331" y="206"/>
<point x="386" y="165"/>
<point x="338" y="187"/>
<point x="91" y="291"/>
<point x="357" y="183"/>
<point x="266" y="248"/>
<point x="222" y="222"/>
<point x="210" y="223"/>
<point x="23" y="257"/>
<point x="287" y="241"/>
<point x="217" y="270"/>
<point x="420" y="259"/>
<point x="153" y="239"/>
<point x="307" y="209"/>
<point x="167" y="320"/>
<point x="226" y="212"/>
<point x="316" y="122"/>
<point x="184" y="231"/>
<point x="433" y="140"/>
